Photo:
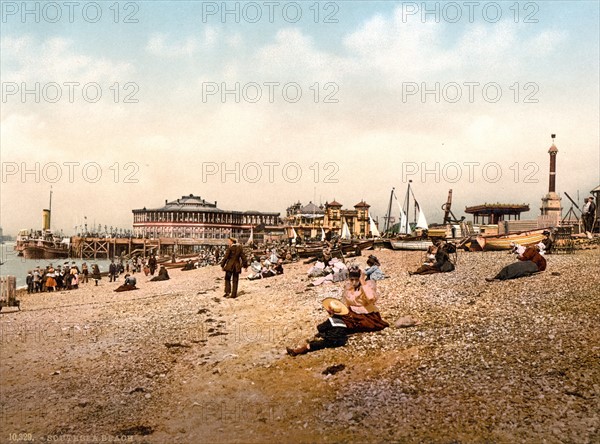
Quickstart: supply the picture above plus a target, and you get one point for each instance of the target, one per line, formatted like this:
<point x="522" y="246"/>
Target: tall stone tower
<point x="551" y="207"/>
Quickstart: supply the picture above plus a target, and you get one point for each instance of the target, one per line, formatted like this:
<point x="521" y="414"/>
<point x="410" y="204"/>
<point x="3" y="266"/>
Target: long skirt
<point x="517" y="270"/>
<point x="358" y="323"/>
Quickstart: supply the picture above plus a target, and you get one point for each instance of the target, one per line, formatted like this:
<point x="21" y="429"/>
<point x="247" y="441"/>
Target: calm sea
<point x="19" y="266"/>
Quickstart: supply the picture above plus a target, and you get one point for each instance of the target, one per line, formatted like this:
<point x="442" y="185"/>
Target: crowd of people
<point x="355" y="312"/>
<point x="63" y="277"/>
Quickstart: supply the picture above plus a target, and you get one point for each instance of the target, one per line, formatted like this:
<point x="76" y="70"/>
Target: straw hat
<point x="336" y="306"/>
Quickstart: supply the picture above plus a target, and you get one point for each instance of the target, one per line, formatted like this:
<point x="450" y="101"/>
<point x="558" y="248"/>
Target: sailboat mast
<point x="389" y="212"/>
<point x="407" y="205"/>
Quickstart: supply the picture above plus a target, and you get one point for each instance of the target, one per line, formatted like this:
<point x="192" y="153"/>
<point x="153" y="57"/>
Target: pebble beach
<point x="513" y="361"/>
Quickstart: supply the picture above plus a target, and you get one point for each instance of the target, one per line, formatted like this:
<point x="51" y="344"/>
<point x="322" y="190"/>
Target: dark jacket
<point x="234" y="259"/>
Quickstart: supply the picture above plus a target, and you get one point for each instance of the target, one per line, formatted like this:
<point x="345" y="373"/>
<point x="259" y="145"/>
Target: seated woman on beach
<point x="188" y="266"/>
<point x="374" y="273"/>
<point x="129" y="284"/>
<point x="442" y="263"/>
<point x="355" y="313"/>
<point x="530" y="262"/>
<point x="163" y="275"/>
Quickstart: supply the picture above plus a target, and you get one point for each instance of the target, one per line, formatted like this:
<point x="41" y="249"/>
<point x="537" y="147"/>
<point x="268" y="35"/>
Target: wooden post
<point x="8" y="292"/>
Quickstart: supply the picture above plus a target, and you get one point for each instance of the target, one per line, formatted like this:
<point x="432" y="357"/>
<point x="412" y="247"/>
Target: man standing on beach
<point x="232" y="264"/>
<point x="589" y="214"/>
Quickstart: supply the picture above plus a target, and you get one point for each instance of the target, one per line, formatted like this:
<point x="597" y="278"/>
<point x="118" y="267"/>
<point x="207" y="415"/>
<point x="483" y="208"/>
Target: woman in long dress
<point x="355" y="313"/>
<point x="530" y="262"/>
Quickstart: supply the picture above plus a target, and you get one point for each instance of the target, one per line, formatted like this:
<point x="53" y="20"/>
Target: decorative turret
<point x="551" y="206"/>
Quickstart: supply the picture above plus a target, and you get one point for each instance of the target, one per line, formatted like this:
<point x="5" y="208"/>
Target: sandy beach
<point x="175" y="362"/>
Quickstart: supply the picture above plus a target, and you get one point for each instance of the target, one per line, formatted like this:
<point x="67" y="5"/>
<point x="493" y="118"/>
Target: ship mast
<point x="389" y="213"/>
<point x="407" y="206"/>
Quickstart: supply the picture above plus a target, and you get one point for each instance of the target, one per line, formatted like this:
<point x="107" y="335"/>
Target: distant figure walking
<point x="96" y="273"/>
<point x="152" y="264"/>
<point x="232" y="264"/>
<point x="112" y="271"/>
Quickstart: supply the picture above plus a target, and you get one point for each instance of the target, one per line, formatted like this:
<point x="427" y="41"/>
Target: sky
<point x="257" y="105"/>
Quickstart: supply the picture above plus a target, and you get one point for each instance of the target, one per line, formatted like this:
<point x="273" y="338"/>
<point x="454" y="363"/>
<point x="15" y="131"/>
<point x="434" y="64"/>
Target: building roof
<point x="362" y="204"/>
<point x="334" y="204"/>
<point x="193" y="203"/>
<point x="497" y="208"/>
<point x="553" y="149"/>
<point x="311" y="208"/>
<point x="188" y="203"/>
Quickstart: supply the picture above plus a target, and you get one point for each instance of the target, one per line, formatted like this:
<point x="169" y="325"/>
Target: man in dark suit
<point x="232" y="264"/>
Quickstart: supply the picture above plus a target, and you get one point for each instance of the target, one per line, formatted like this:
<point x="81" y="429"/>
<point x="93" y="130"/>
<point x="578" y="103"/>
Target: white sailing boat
<point x="345" y="232"/>
<point x="373" y="228"/>
<point x="407" y="239"/>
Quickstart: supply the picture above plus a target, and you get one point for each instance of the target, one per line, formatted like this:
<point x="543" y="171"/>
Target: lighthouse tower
<point x="551" y="207"/>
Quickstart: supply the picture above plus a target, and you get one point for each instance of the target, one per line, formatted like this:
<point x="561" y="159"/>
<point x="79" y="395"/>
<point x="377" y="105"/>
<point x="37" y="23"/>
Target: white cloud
<point x="25" y="59"/>
<point x="159" y="44"/>
<point x="546" y="42"/>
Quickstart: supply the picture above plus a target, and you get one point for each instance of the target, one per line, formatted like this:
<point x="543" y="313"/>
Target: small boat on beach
<point x="503" y="241"/>
<point x="413" y="244"/>
<point x="314" y="249"/>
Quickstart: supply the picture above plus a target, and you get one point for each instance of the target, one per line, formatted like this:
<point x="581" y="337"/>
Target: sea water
<point x="13" y="265"/>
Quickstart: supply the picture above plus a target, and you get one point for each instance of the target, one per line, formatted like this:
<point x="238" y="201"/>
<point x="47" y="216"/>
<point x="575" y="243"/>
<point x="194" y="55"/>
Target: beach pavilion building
<point x="195" y="218"/>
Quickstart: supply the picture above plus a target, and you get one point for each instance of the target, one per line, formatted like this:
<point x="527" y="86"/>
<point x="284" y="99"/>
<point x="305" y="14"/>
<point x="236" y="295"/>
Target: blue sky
<point x="373" y="65"/>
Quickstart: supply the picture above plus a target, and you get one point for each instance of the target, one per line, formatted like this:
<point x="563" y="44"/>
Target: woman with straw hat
<point x="355" y="313"/>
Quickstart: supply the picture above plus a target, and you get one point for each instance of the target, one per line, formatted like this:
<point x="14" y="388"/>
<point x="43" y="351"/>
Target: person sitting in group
<point x="374" y="273"/>
<point x="188" y="266"/>
<point x="337" y="271"/>
<point x="256" y="267"/>
<point x="279" y="267"/>
<point x="441" y="263"/>
<point x="130" y="284"/>
<point x="163" y="275"/>
<point x="530" y="262"/>
<point x="327" y="256"/>
<point x="266" y="270"/>
<point x="547" y="241"/>
<point x="355" y="313"/>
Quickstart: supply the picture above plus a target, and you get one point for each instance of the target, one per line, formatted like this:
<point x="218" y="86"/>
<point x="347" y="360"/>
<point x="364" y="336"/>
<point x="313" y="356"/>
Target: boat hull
<point x="502" y="242"/>
<point x="346" y="247"/>
<point x="412" y="245"/>
<point x="44" y="253"/>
